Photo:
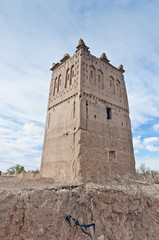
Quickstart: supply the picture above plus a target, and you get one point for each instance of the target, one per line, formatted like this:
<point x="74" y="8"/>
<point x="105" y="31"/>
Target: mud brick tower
<point x="88" y="133"/>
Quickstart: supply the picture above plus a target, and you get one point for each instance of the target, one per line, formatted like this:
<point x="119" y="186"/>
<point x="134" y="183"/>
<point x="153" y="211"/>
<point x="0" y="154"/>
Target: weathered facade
<point x="88" y="134"/>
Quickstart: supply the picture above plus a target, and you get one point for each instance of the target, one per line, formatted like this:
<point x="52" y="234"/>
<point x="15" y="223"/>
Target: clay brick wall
<point x="88" y="132"/>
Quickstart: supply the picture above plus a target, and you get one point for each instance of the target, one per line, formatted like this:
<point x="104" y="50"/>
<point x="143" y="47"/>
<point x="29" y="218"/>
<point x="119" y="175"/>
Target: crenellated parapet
<point x="85" y="70"/>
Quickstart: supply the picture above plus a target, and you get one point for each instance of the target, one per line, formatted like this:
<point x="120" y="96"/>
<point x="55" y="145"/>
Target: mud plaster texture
<point x="88" y="133"/>
<point x="36" y="209"/>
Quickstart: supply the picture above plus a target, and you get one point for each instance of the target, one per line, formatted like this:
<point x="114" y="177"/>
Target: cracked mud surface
<point x="36" y="209"/>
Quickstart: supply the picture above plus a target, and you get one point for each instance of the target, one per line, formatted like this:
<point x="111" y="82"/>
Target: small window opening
<point x="91" y="74"/>
<point x="54" y="86"/>
<point x="95" y="116"/>
<point x="111" y="154"/>
<point x="73" y="139"/>
<point x="99" y="77"/>
<point x="86" y="113"/>
<point x="108" y="111"/>
<point x="49" y="120"/>
<point x="74" y="109"/>
<point x="58" y="83"/>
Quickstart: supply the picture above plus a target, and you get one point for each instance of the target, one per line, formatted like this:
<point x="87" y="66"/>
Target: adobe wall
<point x="81" y="143"/>
<point x="60" y="149"/>
<point x="106" y="144"/>
<point x="36" y="210"/>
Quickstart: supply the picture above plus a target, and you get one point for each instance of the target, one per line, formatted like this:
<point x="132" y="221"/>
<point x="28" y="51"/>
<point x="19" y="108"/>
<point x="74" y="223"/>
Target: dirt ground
<point x="15" y="183"/>
<point x="123" y="209"/>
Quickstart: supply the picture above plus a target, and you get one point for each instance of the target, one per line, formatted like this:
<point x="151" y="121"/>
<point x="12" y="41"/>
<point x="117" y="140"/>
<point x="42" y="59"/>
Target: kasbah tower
<point x="88" y="132"/>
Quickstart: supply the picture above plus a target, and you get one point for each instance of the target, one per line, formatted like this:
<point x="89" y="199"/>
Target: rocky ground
<point x="33" y="209"/>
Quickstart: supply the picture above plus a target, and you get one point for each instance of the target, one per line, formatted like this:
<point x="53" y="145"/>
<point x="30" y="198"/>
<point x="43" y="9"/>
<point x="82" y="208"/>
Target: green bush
<point x="16" y="169"/>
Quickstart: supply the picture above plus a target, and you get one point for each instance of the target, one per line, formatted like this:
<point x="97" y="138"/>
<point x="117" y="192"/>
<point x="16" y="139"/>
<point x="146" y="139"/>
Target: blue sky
<point x="34" y="34"/>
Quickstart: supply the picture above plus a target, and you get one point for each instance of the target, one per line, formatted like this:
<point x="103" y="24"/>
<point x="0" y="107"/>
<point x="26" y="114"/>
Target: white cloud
<point x="151" y="144"/>
<point x="137" y="143"/>
<point x="136" y="140"/>
<point x="151" y="140"/>
<point x="156" y="127"/>
<point x="152" y="148"/>
<point x="21" y="144"/>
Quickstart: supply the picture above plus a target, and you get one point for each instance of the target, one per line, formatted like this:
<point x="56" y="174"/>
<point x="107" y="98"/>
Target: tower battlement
<point x="87" y="134"/>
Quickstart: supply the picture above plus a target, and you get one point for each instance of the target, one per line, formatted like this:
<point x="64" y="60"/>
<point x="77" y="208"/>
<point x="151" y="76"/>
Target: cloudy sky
<point x="36" y="33"/>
